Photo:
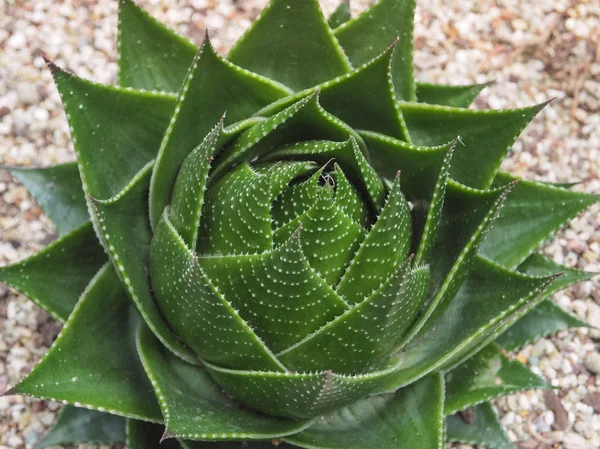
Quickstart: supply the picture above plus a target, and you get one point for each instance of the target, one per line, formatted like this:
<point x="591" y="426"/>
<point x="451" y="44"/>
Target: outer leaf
<point x="79" y="425"/>
<point x="55" y="277"/>
<point x="115" y="131"/>
<point x="197" y="311"/>
<point x="546" y="318"/>
<point x="367" y="35"/>
<point x="487" y="375"/>
<point x="366" y="333"/>
<point x="273" y="444"/>
<point x="381" y="253"/>
<point x="455" y="96"/>
<point x="291" y="42"/>
<point x="151" y="56"/>
<point x="532" y="213"/>
<point x="108" y="378"/>
<point x="411" y="417"/>
<point x="194" y="406"/>
<point x="365" y="97"/>
<point x="485" y="429"/>
<point x="125" y="230"/>
<point x="341" y="14"/>
<point x="486" y="136"/>
<point x="278" y="293"/>
<point x="145" y="435"/>
<point x="212" y="87"/>
<point x="58" y="191"/>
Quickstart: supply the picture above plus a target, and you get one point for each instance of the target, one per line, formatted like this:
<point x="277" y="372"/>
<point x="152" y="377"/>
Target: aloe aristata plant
<point x="295" y="244"/>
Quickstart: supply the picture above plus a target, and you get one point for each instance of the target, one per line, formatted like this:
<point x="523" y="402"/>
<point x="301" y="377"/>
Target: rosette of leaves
<point x="294" y="245"/>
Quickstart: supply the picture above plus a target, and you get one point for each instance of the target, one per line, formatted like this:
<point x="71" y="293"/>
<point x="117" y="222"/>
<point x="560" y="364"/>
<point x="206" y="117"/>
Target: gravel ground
<point x="533" y="50"/>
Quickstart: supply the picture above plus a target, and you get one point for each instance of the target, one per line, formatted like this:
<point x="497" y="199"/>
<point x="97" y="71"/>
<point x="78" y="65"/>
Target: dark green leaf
<point x="58" y="191"/>
<point x="290" y="42"/>
<point x="273" y="444"/>
<point x="369" y="34"/>
<point x="487" y="375"/>
<point x="146" y="435"/>
<point x="115" y="131"/>
<point x="485" y="429"/>
<point x="446" y="95"/>
<point x="79" y="425"/>
<point x="347" y="198"/>
<point x="278" y="293"/>
<point x="295" y="201"/>
<point x="94" y="362"/>
<point x="125" y="229"/>
<point x="151" y="56"/>
<point x="490" y="299"/>
<point x="197" y="311"/>
<point x="55" y="277"/>
<point x="381" y="253"/>
<point x="365" y="98"/>
<point x="195" y="407"/>
<point x="485" y="136"/>
<point x="341" y="14"/>
<point x="408" y="418"/>
<point x="366" y="333"/>
<point x="212" y="87"/>
<point x="533" y="212"/>
<point x="303" y="120"/>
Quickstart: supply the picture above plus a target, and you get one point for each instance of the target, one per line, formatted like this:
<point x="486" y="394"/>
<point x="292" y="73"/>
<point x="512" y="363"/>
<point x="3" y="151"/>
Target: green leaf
<point x="466" y="218"/>
<point x="485" y="429"/>
<point x="381" y="253"/>
<point x="329" y="238"/>
<point x="366" y="333"/>
<point x="411" y="417"/>
<point x="198" y="313"/>
<point x="290" y="42"/>
<point x="295" y="200"/>
<point x="94" y="363"/>
<point x="489" y="300"/>
<point x="273" y="444"/>
<point x="367" y="35"/>
<point x="419" y="166"/>
<point x="189" y="191"/>
<point x="58" y="191"/>
<point x="347" y="198"/>
<point x="277" y="293"/>
<point x="428" y="214"/>
<point x="125" y="230"/>
<point x="79" y="425"/>
<point x="115" y="131"/>
<point x="365" y="98"/>
<point x="485" y="136"/>
<point x="546" y="318"/>
<point x="195" y="408"/>
<point x="341" y="14"/>
<point x="151" y="56"/>
<point x="55" y="277"/>
<point x="348" y="155"/>
<point x="533" y="212"/>
<point x="485" y="376"/>
<point x="236" y="218"/>
<point x="212" y="87"/>
<point x="145" y="435"/>
<point x="303" y="120"/>
<point x="446" y="95"/>
<point x="296" y="395"/>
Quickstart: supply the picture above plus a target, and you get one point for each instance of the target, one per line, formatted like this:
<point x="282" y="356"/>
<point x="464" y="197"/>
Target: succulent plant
<point x="294" y="245"/>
